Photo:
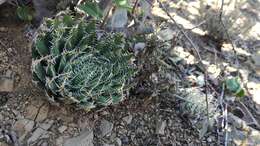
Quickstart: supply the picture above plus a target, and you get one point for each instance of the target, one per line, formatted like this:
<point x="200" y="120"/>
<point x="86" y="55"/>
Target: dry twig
<point x="194" y="47"/>
<point x="226" y="31"/>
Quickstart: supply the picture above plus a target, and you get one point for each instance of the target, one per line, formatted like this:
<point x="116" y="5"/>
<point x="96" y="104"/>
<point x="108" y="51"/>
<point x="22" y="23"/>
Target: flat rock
<point x="7" y="82"/>
<point x="31" y="112"/>
<point x="256" y="59"/>
<point x="2" y="1"/>
<point x="160" y="127"/>
<point x="61" y="129"/>
<point x="166" y="34"/>
<point x="23" y="126"/>
<point x="59" y="141"/>
<point x="43" y="113"/>
<point x="128" y="119"/>
<point x="105" y="144"/>
<point x="38" y="114"/>
<point x="39" y="132"/>
<point x="119" y="18"/>
<point x="3" y="144"/>
<point x="46" y="125"/>
<point x="118" y="141"/>
<point x="1" y="117"/>
<point x="254" y="89"/>
<point x="84" y="139"/>
<point x="106" y="127"/>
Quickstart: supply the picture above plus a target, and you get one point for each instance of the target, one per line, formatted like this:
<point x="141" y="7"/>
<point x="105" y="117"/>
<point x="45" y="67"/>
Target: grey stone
<point x="31" y="112"/>
<point x="139" y="47"/>
<point x="59" y="141"/>
<point x="2" y="1"/>
<point x="1" y="117"/>
<point x="23" y="127"/>
<point x="160" y="127"/>
<point x="119" y="18"/>
<point x="36" y="135"/>
<point x="3" y="144"/>
<point x="106" y="127"/>
<point x="43" y="113"/>
<point x="47" y="124"/>
<point x="61" y="129"/>
<point x="128" y="119"/>
<point x="44" y="144"/>
<point x="256" y="59"/>
<point x="118" y="142"/>
<point x="7" y="82"/>
<point x="84" y="139"/>
<point x="166" y="34"/>
<point x="105" y="144"/>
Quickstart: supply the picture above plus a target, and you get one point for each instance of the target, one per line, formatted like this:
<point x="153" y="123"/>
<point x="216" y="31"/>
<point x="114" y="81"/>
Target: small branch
<point x="226" y="31"/>
<point x="226" y="125"/>
<point x="206" y="91"/>
<point x="106" y="17"/>
<point x="221" y="10"/>
<point x="195" y="49"/>
<point x="182" y="31"/>
<point x="248" y="113"/>
<point x="198" y="25"/>
<point x="135" y="6"/>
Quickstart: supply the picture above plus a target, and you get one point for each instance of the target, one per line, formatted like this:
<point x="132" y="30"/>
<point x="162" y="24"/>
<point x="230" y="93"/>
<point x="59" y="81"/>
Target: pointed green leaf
<point x="24" y="13"/>
<point x="39" y="71"/>
<point x="103" y="100"/>
<point x="62" y="63"/>
<point x="35" y="54"/>
<point x="42" y="47"/>
<point x="92" y="9"/>
<point x="51" y="70"/>
<point x="116" y="98"/>
<point x="123" y="4"/>
<point x="53" y="86"/>
<point x="68" y="20"/>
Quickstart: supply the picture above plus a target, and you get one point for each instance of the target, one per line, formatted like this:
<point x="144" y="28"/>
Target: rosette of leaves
<point x="77" y="64"/>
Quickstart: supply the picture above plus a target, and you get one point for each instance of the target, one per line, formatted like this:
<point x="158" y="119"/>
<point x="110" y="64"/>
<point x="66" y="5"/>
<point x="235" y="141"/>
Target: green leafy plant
<point x="233" y="86"/>
<point x="92" y="9"/>
<point x="122" y="4"/>
<point x="78" y="64"/>
<point x="24" y="13"/>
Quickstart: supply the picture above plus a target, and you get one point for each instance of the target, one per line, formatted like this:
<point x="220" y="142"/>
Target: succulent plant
<point x="78" y="64"/>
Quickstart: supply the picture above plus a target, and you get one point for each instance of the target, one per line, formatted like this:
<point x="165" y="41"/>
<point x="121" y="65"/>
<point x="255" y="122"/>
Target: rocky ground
<point x="27" y="119"/>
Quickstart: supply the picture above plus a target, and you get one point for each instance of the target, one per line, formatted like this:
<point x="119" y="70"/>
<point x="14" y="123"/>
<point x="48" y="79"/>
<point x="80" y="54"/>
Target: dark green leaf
<point x="68" y="20"/>
<point x="51" y="70"/>
<point x="41" y="47"/>
<point x="39" y="71"/>
<point x="122" y="4"/>
<point x="24" y="13"/>
<point x="233" y="86"/>
<point x="92" y="9"/>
